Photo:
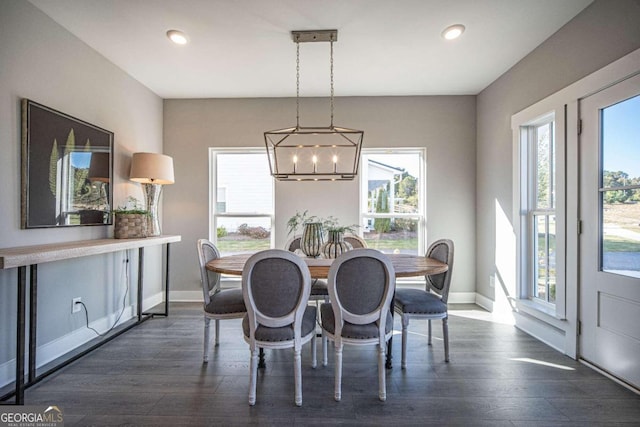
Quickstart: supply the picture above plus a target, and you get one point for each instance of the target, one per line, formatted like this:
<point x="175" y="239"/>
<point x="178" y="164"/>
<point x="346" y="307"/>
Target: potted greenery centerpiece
<point x="130" y="220"/>
<point x="312" y="232"/>
<point x="313" y="229"/>
<point x="336" y="244"/>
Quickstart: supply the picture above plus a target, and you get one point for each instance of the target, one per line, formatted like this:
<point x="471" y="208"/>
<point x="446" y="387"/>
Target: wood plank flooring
<point x="498" y="376"/>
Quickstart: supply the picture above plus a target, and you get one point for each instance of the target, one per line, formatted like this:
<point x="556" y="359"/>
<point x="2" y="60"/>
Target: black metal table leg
<point x="166" y="283"/>
<point x="140" y="280"/>
<point x="20" y="334"/>
<point x="33" y="321"/>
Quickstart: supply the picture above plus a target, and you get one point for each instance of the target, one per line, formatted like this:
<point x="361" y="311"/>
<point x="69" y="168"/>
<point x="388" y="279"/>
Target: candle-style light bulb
<point x="335" y="163"/>
<point x="295" y="162"/>
<point x="314" y="159"/>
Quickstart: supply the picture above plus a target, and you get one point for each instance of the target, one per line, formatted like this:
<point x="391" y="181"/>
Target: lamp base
<point x="152" y="197"/>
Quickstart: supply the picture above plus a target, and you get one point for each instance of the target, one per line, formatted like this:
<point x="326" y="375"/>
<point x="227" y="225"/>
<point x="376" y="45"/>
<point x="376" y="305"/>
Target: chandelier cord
<point x="331" y="62"/>
<point x="297" y="82"/>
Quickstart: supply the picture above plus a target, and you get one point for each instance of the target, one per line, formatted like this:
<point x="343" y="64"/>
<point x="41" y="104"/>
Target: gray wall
<point x="445" y="125"/>
<point x="42" y="61"/>
<point x="602" y="33"/>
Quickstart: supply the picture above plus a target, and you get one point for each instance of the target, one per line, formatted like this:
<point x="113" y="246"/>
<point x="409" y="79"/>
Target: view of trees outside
<point x="621" y="188"/>
<point x="544" y="214"/>
<point x="392" y="188"/>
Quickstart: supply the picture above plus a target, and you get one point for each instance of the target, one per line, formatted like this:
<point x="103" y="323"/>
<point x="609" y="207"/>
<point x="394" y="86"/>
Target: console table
<point x="31" y="256"/>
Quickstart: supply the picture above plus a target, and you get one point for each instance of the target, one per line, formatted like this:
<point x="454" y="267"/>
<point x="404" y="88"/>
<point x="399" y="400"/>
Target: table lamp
<point x="152" y="170"/>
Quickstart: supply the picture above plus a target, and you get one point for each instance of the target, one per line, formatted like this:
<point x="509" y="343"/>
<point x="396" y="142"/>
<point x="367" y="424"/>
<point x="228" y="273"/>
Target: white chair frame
<point x="256" y="317"/>
<point x="209" y="289"/>
<point x="379" y="315"/>
<point x="429" y="317"/>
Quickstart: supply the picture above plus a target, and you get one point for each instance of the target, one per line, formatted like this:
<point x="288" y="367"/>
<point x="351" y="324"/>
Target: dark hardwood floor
<point x="153" y="375"/>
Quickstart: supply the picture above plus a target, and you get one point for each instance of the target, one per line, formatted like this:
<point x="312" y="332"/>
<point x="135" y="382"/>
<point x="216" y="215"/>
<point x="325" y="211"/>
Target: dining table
<point x="404" y="265"/>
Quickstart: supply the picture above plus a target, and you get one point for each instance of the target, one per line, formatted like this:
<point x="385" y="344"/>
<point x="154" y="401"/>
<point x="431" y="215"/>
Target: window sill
<point x="541" y="312"/>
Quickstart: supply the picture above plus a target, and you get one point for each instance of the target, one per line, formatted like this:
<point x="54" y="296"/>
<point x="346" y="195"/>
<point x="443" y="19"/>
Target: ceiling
<point x="243" y="48"/>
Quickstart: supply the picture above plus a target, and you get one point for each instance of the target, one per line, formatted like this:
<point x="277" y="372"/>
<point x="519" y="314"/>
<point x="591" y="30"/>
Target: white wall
<point x="445" y="125"/>
<point x="42" y="61"/>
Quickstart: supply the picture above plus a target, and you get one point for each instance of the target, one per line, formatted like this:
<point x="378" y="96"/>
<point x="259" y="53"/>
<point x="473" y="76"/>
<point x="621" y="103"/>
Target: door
<point x="610" y="239"/>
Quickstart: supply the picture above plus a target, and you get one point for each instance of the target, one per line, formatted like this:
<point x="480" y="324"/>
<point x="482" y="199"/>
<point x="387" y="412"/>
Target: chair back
<point x="361" y="285"/>
<point x="356" y="241"/>
<point x="275" y="286"/>
<point x="293" y="244"/>
<point x="441" y="250"/>
<point x="210" y="280"/>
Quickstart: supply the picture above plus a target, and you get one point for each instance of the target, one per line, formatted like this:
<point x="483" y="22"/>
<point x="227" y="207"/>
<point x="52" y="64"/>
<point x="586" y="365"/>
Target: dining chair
<point x="275" y="287"/>
<point x="319" y="290"/>
<point x="219" y="304"/>
<point x="356" y="241"/>
<point x="361" y="286"/>
<point x="430" y="303"/>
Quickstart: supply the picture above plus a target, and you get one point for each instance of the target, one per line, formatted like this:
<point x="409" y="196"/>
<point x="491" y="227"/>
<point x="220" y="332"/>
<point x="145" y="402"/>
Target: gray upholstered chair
<point x="430" y="303"/>
<point x="318" y="287"/>
<point x="276" y="286"/>
<point x="361" y="285"/>
<point x="219" y="304"/>
<point x="356" y="241"/>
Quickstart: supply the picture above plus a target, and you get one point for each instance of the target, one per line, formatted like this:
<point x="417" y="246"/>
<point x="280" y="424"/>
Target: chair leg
<point x="338" y="372"/>
<point x="253" y="376"/>
<point x="429" y="340"/>
<point x="382" y="383"/>
<point x="205" y="357"/>
<point x="445" y="336"/>
<point x="297" y="372"/>
<point x="314" y="360"/>
<point x="217" y="332"/>
<point x="405" y="332"/>
<point x="324" y="349"/>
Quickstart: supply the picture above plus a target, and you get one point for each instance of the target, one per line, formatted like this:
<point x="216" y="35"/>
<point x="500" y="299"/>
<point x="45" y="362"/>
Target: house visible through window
<point x="392" y="203"/>
<point x="242" y="203"/>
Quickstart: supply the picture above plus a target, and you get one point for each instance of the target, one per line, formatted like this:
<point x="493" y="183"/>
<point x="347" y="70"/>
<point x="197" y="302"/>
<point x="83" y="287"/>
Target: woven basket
<point x="130" y="226"/>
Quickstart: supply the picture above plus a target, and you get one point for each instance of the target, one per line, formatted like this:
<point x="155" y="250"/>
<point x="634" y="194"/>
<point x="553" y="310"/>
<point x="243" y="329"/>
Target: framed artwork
<point x="67" y="169"/>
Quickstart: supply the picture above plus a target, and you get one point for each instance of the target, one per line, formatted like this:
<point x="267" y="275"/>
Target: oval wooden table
<point x="404" y="265"/>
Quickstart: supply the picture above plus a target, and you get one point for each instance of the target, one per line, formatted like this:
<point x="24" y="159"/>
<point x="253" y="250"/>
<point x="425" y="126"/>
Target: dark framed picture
<point x="67" y="169"/>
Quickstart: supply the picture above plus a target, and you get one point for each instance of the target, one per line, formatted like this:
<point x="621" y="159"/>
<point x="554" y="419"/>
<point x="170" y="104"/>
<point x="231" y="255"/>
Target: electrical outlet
<point x="492" y="281"/>
<point x="75" y="305"/>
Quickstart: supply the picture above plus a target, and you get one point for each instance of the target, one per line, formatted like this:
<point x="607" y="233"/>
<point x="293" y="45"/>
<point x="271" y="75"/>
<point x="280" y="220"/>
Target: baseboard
<point x="548" y="334"/>
<point x="196" y="296"/>
<point x="185" y="296"/>
<point x="484" y="302"/>
<point x="462" y="298"/>
<point x="62" y="345"/>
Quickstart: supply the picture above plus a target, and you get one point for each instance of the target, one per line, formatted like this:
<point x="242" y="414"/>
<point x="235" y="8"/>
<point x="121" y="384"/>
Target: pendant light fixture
<point x="315" y="153"/>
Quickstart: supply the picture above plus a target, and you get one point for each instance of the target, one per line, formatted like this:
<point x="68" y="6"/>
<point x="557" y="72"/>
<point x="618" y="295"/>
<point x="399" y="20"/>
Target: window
<point x="392" y="200"/>
<point x="241" y="200"/>
<point x="539" y="208"/>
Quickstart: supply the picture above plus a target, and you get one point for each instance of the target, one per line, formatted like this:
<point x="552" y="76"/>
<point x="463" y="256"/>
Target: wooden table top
<point x="403" y="264"/>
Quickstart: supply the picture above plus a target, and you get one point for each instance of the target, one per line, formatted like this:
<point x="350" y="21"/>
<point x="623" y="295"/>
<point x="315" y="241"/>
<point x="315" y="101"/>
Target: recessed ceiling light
<point x="178" y="37"/>
<point x="453" y="32"/>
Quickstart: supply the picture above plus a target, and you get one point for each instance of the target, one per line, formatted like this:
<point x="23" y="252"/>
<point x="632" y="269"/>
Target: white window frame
<point x="421" y="216"/>
<point x="213" y="191"/>
<point x="525" y="181"/>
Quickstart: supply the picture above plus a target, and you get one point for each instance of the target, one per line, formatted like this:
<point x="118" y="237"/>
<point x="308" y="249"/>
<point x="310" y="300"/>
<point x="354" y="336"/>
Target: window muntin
<point x="392" y="195"/>
<point x="242" y="203"/>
